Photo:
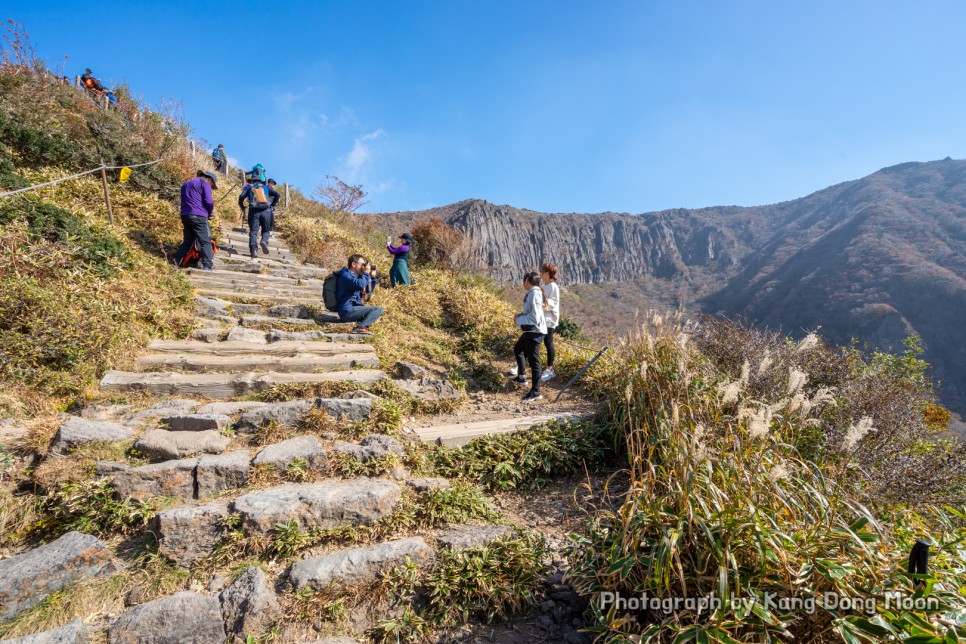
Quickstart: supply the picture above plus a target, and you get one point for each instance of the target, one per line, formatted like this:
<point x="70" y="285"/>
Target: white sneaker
<point x="548" y="374"/>
<point x="513" y="370"/>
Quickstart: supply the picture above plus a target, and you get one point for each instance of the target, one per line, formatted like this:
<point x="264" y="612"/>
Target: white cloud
<point x="361" y="154"/>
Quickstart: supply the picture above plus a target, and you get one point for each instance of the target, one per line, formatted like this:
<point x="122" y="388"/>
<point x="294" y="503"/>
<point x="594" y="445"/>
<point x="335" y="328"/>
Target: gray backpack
<point x="329" y="285"/>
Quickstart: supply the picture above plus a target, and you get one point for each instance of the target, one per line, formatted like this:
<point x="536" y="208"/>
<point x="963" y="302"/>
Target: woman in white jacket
<point x="551" y="295"/>
<point x="534" y="326"/>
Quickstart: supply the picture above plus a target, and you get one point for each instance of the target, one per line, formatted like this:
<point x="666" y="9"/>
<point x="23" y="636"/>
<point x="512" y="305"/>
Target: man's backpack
<point x="193" y="255"/>
<point x="258" y="173"/>
<point x="329" y="286"/>
<point x="259" y="196"/>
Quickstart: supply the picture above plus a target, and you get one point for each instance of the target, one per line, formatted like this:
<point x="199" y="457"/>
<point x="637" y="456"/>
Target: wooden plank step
<point x="222" y="386"/>
<point x="236" y="348"/>
<point x="459" y="434"/>
<point x="273" y="298"/>
<point x="304" y="363"/>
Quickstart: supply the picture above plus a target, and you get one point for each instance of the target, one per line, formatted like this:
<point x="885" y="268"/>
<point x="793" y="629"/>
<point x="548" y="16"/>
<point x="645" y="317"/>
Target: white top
<point x="551" y="293"/>
<point x="533" y="311"/>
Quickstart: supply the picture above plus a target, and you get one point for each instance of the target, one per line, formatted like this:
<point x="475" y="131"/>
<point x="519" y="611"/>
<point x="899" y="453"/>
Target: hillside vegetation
<point x="752" y="468"/>
<point x="877" y="260"/>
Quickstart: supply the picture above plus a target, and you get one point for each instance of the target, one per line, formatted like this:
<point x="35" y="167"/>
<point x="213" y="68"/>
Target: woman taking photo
<point x="399" y="271"/>
<point x="534" y="326"/>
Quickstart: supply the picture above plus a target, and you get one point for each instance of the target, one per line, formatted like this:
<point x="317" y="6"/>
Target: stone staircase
<point x="229" y="356"/>
<point x="255" y="330"/>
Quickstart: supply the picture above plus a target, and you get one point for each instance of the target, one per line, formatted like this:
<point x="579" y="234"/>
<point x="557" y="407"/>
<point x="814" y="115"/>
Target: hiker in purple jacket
<point x="197" y="206"/>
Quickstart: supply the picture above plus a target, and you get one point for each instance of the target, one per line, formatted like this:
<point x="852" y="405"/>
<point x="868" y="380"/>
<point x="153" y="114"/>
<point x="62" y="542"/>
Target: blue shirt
<point x="349" y="289"/>
<point x="196" y="198"/>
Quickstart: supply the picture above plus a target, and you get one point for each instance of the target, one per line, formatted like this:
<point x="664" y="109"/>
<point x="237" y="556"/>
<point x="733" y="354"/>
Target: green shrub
<point x="91" y="507"/>
<point x="526" y="459"/>
<point x="35" y="146"/>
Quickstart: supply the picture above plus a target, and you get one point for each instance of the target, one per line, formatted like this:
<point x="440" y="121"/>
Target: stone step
<point x="358" y="564"/>
<point x="278" y="349"/>
<point x="240" y="244"/>
<point x="261" y="289"/>
<point x="235" y="254"/>
<point x="239" y="264"/>
<point x="257" y="320"/>
<point x="223" y="386"/>
<point x="306" y="363"/>
<point x="328" y="504"/>
<point x="258" y="297"/>
<point x="250" y="278"/>
<point x="459" y="434"/>
<point x="27" y="579"/>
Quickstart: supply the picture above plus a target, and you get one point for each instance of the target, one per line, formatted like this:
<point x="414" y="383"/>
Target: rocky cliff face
<point x="875" y="259"/>
<point x="606" y="247"/>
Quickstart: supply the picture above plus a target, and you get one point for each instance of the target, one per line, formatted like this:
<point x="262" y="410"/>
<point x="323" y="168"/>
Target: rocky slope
<point x="874" y="259"/>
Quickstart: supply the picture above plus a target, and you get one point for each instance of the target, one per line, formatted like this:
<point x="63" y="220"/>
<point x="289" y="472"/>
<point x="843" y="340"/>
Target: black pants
<point x="529" y="346"/>
<point x="195" y="228"/>
<point x="548" y="342"/>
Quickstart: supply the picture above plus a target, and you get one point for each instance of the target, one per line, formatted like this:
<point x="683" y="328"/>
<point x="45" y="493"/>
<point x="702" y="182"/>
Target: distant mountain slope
<point x="873" y="259"/>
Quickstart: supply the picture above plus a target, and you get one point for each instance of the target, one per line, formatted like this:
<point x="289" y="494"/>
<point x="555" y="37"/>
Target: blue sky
<point x="555" y="106"/>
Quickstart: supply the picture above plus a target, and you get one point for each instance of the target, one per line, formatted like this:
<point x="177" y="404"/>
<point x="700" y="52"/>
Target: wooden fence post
<point x="286" y="195"/>
<point x="107" y="195"/>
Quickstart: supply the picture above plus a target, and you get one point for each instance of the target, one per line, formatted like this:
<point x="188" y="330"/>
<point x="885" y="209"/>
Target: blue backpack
<point x="258" y="173"/>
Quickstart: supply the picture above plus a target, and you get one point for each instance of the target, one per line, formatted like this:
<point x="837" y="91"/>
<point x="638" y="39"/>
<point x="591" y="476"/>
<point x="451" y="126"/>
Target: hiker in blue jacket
<point x="262" y="200"/>
<point x="351" y="289"/>
<point x="220" y="157"/>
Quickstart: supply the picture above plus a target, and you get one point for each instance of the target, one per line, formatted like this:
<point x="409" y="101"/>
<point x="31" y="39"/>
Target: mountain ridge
<point x="874" y="259"/>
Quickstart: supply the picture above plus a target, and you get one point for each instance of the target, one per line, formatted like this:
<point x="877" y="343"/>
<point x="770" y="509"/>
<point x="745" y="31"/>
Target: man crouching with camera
<point x="356" y="282"/>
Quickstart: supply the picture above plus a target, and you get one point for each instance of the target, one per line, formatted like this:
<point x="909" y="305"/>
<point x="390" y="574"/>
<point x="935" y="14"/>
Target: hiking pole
<point x="580" y="373"/>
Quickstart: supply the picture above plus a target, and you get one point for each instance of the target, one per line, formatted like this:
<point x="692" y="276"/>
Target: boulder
<point x="210" y="307"/>
<point x="185" y="617"/>
<point x="163" y="445"/>
<point x="222" y="472"/>
<point x="27" y="579"/>
<point x="426" y="484"/>
<point x="290" y="311"/>
<point x="471" y="536"/>
<point x="374" y="446"/>
<point x="285" y="414"/>
<point x="77" y="431"/>
<point x="230" y="408"/>
<point x="167" y="408"/>
<point x="207" y="335"/>
<point x="171" y="478"/>
<point x="190" y="532"/>
<point x="329" y="504"/>
<point x="196" y="422"/>
<point x="73" y="633"/>
<point x="249" y="605"/>
<point x="358" y="564"/>
<point x="239" y="334"/>
<point x="351" y="408"/>
<point x="430" y="389"/>
<point x="246" y="309"/>
<point x="281" y="455"/>
<point x="410" y="371"/>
